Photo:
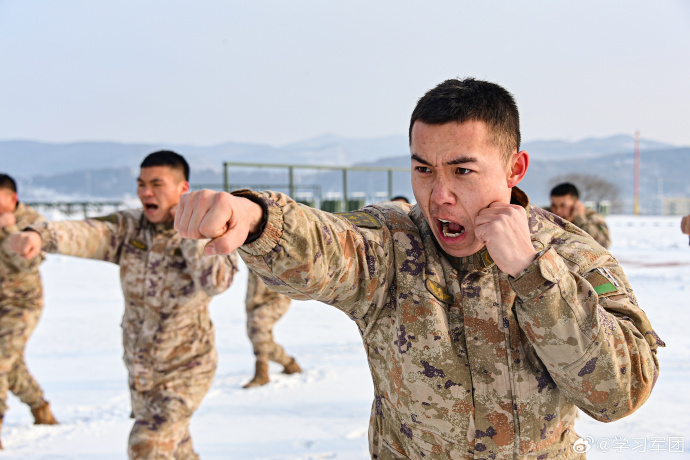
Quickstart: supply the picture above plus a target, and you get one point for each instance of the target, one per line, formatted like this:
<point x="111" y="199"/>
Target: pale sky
<point x="206" y="72"/>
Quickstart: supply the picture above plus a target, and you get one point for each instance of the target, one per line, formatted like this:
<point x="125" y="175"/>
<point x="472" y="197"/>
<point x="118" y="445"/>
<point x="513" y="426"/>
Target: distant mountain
<point x="108" y="170"/>
<point x="557" y="150"/>
<point x="30" y="158"/>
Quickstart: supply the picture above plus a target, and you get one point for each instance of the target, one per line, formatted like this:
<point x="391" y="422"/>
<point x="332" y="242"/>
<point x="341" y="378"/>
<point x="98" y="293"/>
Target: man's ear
<point x="517" y="168"/>
<point x="185" y="187"/>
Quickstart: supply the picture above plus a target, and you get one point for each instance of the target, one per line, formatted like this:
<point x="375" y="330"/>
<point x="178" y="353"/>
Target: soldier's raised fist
<point x="503" y="228"/>
<point x="26" y="244"/>
<point x="7" y="219"/>
<point x="226" y="219"/>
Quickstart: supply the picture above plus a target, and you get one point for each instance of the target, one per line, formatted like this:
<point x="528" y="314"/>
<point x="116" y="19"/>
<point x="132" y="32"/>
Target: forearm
<point x="90" y="239"/>
<point x="306" y="253"/>
<point x="601" y="352"/>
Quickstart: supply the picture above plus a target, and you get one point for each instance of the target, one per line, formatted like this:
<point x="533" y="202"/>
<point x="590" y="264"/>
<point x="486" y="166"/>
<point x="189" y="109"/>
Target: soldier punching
<point x="264" y="308"/>
<point x="168" y="337"/>
<point x="21" y="305"/>
<point x="486" y="321"/>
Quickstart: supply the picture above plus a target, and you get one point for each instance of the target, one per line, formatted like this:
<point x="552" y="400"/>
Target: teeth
<point x="451" y="235"/>
<point x="444" y="227"/>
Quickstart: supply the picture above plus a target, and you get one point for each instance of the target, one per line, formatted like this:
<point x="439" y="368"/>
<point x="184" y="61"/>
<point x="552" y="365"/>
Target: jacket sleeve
<point x="306" y="253"/>
<point x="11" y="258"/>
<point x="100" y="238"/>
<point x="588" y="330"/>
<point x="595" y="226"/>
<point x="214" y="274"/>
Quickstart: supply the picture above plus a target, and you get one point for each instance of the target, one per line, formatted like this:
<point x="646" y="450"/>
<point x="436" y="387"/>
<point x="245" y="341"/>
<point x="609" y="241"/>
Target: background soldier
<point x="565" y="203"/>
<point x="264" y="308"/>
<point x="486" y="321"/>
<point x="21" y="305"/>
<point x="167" y="283"/>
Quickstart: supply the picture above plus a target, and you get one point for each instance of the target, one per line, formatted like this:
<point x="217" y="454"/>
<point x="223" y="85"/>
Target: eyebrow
<point x="454" y="161"/>
<point x="155" y="179"/>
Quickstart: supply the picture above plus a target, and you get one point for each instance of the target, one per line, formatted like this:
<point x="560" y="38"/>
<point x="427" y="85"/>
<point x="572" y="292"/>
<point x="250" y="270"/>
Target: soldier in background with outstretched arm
<point x="486" y="321"/>
<point x="21" y="305"/>
<point x="167" y="282"/>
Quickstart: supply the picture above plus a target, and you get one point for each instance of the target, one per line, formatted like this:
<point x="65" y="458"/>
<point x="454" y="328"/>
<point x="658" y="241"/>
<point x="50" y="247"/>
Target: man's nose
<point x="442" y="192"/>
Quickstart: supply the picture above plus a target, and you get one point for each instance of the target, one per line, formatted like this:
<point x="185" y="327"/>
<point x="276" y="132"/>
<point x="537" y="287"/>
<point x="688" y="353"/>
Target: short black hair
<point x="400" y="198"/>
<point x="167" y="158"/>
<point x="8" y="183"/>
<point x="565" y="189"/>
<point x="472" y="100"/>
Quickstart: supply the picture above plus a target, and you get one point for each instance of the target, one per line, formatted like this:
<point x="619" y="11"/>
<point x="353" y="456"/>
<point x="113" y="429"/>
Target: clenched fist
<point x="26" y="244"/>
<point x="7" y="219"/>
<point x="503" y="228"/>
<point x="226" y="219"/>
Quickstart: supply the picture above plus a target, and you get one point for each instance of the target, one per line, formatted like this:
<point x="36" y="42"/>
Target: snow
<point x="323" y="413"/>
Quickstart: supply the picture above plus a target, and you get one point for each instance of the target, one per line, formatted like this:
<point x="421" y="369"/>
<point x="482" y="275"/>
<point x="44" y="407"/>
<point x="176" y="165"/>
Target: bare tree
<point x="592" y="188"/>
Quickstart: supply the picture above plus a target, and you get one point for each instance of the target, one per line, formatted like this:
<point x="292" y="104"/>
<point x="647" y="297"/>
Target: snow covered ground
<point x="323" y="413"/>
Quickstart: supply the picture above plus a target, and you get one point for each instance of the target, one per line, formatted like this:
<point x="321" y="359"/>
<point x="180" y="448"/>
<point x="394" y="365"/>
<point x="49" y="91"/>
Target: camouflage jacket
<point x="595" y="226"/>
<point x="468" y="362"/>
<point x="167" y="283"/>
<point x="258" y="295"/>
<point x="20" y="282"/>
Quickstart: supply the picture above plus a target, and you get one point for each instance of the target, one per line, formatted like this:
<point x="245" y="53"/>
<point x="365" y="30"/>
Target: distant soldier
<point x="21" y="305"/>
<point x="167" y="283"/>
<point x="264" y="308"/>
<point x="400" y="199"/>
<point x="565" y="203"/>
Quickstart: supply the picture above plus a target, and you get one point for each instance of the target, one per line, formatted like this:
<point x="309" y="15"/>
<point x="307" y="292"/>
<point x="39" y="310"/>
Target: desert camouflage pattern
<point x="595" y="226"/>
<point x="264" y="309"/>
<point x="168" y="337"/>
<point x="21" y="305"/>
<point x="161" y="429"/>
<point x="468" y="362"/>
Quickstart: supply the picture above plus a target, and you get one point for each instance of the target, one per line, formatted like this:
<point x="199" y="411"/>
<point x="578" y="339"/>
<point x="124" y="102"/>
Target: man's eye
<point x="422" y="169"/>
<point x="462" y="171"/>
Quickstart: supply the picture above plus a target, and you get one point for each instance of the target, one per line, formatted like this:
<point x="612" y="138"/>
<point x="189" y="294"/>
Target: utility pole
<point x="636" y="188"/>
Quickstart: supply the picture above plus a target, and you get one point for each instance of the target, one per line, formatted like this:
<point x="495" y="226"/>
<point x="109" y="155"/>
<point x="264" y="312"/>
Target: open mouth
<point x="151" y="207"/>
<point x="451" y="229"/>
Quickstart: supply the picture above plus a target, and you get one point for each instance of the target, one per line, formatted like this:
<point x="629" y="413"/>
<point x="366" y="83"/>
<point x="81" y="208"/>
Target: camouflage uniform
<point x="21" y="305"/>
<point x="264" y="309"/>
<point x="167" y="332"/>
<point x="595" y="226"/>
<point x="467" y="361"/>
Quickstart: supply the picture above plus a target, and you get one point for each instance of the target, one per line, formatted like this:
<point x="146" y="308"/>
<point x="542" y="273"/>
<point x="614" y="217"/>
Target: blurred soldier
<point x="167" y="283"/>
<point x="400" y="199"/>
<point x="21" y="304"/>
<point x="264" y="308"/>
<point x="565" y="203"/>
<point x="486" y="321"/>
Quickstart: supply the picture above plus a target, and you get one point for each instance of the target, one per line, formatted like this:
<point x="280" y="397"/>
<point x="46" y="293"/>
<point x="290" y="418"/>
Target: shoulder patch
<point x="112" y="218"/>
<point x="438" y="291"/>
<point x="602" y="281"/>
<point x="139" y="244"/>
<point x="361" y="219"/>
